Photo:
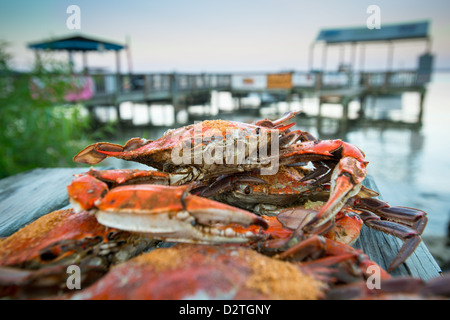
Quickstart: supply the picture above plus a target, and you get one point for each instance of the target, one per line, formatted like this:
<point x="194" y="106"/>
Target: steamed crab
<point x="208" y="153"/>
<point x="34" y="260"/>
<point x="211" y="148"/>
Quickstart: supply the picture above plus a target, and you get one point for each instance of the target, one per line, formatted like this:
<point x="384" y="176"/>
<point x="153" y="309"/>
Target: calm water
<point x="409" y="166"/>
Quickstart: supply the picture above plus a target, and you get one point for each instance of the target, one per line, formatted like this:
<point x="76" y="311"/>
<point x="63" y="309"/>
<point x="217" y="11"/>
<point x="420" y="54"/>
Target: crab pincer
<point x="167" y="213"/>
<point x="347" y="170"/>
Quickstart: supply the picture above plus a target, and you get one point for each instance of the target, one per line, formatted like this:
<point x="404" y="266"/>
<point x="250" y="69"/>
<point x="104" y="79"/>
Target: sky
<point x="218" y="35"/>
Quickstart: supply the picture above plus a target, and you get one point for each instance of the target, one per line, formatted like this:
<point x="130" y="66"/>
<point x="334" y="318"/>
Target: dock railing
<point x="111" y="88"/>
<point x="397" y="79"/>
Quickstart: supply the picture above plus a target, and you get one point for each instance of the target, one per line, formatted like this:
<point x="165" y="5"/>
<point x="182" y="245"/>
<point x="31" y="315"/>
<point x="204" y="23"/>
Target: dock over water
<point x="184" y="90"/>
<point x="340" y="85"/>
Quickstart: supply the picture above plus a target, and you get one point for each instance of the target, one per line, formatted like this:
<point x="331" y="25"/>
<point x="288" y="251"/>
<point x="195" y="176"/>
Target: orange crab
<point x="202" y="150"/>
<point x="34" y="260"/>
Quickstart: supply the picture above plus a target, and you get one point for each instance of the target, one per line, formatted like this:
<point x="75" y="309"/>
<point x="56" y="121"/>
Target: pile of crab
<point x="227" y="210"/>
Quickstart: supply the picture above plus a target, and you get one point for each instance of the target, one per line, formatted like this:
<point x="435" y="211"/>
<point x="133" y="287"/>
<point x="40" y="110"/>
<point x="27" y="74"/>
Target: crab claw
<point x="91" y="186"/>
<point x="346" y="181"/>
<point x="172" y="214"/>
<point x="130" y="176"/>
<point x="99" y="151"/>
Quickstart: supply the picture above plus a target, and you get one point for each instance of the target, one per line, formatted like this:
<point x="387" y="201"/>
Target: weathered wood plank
<point x="27" y="196"/>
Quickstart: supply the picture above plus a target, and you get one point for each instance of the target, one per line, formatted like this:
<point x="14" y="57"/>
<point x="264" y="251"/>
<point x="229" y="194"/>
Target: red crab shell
<point x="29" y="242"/>
<point x="64" y="237"/>
<point x="158" y="153"/>
<point x="203" y="271"/>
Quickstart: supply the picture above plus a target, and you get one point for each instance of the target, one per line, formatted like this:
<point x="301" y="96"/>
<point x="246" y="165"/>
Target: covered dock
<point x="361" y="82"/>
<point x="78" y="43"/>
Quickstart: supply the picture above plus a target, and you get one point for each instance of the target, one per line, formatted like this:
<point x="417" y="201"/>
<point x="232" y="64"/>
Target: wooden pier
<point x="184" y="90"/>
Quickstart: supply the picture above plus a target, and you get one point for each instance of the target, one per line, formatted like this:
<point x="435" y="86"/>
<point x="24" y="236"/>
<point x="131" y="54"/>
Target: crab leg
<point x="414" y="218"/>
<point x="25" y="284"/>
<point x="226" y="183"/>
<point x="326" y="252"/>
<point x="130" y="176"/>
<point x="409" y="236"/>
<point x="346" y="181"/>
<point x="401" y="222"/>
<point x="99" y="151"/>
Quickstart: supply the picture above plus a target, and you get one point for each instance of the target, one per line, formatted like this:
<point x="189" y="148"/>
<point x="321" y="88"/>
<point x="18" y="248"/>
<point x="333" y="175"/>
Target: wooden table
<point x="27" y="196"/>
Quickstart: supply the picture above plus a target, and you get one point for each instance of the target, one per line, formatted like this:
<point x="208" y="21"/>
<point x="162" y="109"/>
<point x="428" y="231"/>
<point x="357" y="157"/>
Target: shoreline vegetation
<point x="37" y="130"/>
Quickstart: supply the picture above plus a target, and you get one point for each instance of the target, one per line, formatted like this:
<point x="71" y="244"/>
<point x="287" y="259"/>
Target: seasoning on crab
<point x="205" y="272"/>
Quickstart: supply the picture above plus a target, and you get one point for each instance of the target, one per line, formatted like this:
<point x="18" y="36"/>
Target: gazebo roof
<point x="76" y="43"/>
<point x="401" y="31"/>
